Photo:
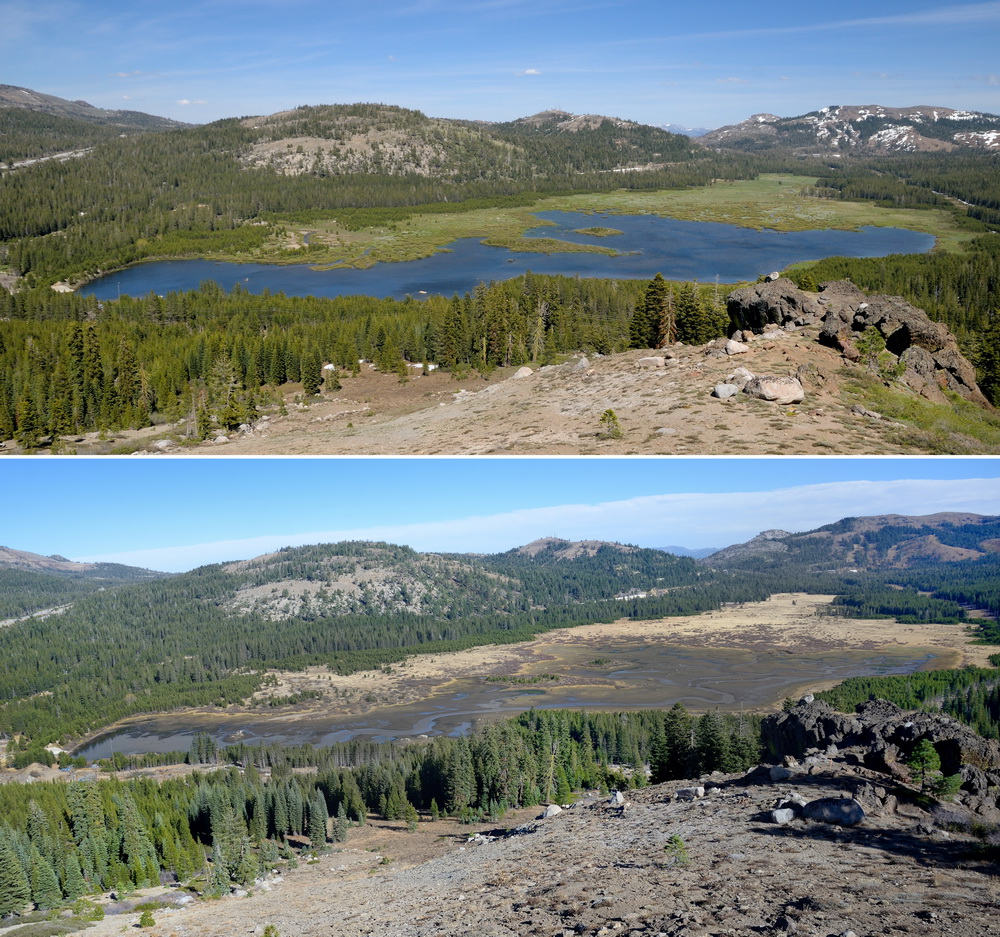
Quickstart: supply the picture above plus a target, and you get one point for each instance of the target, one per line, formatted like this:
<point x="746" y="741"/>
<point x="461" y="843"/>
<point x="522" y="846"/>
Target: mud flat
<point x="750" y="656"/>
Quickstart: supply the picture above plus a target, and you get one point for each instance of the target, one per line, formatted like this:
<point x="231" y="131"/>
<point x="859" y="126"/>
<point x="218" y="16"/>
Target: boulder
<point x="927" y="349"/>
<point x="732" y="347"/>
<point x="553" y="810"/>
<point x="652" y="362"/>
<point x="582" y="364"/>
<point x="782" y="816"/>
<point x="522" y="372"/>
<point x="740" y="377"/>
<point x="842" y="811"/>
<point x="782" y="390"/>
<point x="722" y="391"/>
<point x="690" y="793"/>
<point x="617" y="798"/>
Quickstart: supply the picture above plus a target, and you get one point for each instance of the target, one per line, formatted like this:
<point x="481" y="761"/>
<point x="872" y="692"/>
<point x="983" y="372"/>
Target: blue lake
<point x="680" y="250"/>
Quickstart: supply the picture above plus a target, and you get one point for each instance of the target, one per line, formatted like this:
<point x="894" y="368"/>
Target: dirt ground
<point x="556" y="411"/>
<point x="601" y="870"/>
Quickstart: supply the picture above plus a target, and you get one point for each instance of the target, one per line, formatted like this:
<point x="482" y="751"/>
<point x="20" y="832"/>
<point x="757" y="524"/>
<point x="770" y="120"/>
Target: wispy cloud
<point x="529" y="71"/>
<point x="732" y="81"/>
<point x="963" y="15"/>
<point x="693" y="519"/>
<point x="184" y="102"/>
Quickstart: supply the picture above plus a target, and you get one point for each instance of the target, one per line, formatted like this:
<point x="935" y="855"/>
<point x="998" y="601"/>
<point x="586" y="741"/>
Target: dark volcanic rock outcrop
<point x="927" y="350"/>
<point x="776" y="301"/>
<point x="882" y="737"/>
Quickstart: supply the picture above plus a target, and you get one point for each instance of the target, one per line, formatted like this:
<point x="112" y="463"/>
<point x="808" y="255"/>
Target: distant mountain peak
<point x="878" y="541"/>
<point x="13" y="96"/>
<point x="864" y="128"/>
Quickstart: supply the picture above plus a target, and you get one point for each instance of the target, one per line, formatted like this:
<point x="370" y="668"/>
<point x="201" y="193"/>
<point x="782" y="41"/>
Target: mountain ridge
<point x="875" y="541"/>
<point x="870" y="129"/>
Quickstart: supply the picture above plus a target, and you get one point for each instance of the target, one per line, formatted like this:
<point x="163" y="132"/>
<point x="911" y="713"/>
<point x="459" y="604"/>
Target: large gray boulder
<point x="842" y="811"/>
<point x="781" y="390"/>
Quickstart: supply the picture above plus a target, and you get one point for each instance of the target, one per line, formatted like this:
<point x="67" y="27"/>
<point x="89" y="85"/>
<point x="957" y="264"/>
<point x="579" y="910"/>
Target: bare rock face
<point x="778" y="301"/>
<point x="882" y="737"/>
<point x="927" y="349"/>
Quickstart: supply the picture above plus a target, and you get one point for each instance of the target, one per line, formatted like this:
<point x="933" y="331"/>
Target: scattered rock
<point x="690" y="793"/>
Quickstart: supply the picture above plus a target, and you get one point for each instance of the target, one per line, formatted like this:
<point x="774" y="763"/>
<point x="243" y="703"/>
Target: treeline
<point x="972" y="585"/>
<point x="921" y="180"/>
<point x="71" y="363"/>
<point x="907" y="606"/>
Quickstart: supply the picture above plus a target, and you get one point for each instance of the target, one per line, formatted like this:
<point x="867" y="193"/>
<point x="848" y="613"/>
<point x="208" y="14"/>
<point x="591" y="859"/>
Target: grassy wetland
<point x="775" y="201"/>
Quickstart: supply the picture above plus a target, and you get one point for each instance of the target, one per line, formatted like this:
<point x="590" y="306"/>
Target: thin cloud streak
<point x="945" y="16"/>
<point x="691" y="519"/>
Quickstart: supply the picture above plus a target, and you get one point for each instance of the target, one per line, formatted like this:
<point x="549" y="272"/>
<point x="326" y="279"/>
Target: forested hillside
<point x="70" y="363"/>
<point x="205" y="637"/>
<point x="222" y="186"/>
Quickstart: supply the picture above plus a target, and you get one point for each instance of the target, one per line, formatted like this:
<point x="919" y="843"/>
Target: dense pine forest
<point x="70" y="363"/>
<point x="223" y="826"/>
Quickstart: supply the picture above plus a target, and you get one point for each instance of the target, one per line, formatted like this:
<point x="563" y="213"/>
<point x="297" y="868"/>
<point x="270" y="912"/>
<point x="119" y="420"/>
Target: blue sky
<point x="174" y="514"/>
<point x="705" y="64"/>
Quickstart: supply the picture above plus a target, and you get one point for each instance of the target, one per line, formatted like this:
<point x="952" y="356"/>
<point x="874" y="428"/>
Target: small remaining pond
<point x="649" y="244"/>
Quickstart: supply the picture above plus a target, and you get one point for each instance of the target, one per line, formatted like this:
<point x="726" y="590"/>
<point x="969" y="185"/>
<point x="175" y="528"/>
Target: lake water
<point x="680" y="250"/>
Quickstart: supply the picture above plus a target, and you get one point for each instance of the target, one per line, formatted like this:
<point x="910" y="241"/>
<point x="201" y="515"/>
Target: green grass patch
<point x="954" y="428"/>
<point x="598" y="232"/>
<point x="547" y="246"/>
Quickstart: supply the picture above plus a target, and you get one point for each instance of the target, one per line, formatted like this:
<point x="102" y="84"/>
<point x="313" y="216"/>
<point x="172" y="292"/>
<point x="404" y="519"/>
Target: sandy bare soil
<point x="557" y="410"/>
